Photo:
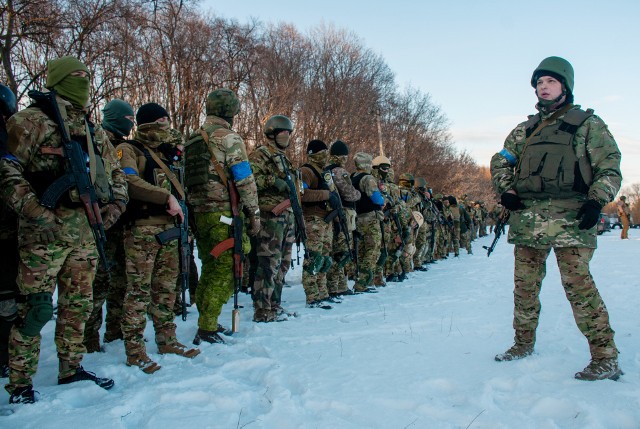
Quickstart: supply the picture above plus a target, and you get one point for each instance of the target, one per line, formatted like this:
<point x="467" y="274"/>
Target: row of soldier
<point x="98" y="240"/>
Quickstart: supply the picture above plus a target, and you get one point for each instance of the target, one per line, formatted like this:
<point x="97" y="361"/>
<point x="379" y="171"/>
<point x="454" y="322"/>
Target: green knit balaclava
<point x="115" y="117"/>
<point x="72" y="88"/>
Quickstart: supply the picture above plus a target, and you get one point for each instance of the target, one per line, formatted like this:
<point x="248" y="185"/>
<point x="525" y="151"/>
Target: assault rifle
<point x="502" y="220"/>
<point x="181" y="233"/>
<point x="342" y="222"/>
<point x="76" y="173"/>
<point x="234" y="242"/>
<point x="294" y="200"/>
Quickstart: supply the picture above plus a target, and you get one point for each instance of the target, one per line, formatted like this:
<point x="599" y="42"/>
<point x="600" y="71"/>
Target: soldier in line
<point x="274" y="242"/>
<point x="118" y="121"/>
<point x="341" y="252"/>
<point x="466" y="226"/>
<point x="152" y="268"/>
<point x="56" y="245"/>
<point x="399" y="229"/>
<point x="624" y="214"/>
<point x="317" y="202"/>
<point x="412" y="203"/>
<point x="534" y="187"/>
<point x="8" y="243"/>
<point x="215" y="155"/>
<point x="368" y="222"/>
<point x="422" y="237"/>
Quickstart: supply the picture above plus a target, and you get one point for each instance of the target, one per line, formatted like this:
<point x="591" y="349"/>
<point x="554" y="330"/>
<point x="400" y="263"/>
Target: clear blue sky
<point x="475" y="58"/>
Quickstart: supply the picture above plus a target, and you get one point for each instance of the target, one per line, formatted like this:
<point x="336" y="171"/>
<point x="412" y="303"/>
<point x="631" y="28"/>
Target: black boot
<point x="23" y="395"/>
<point x="81" y="375"/>
<point x="208" y="336"/>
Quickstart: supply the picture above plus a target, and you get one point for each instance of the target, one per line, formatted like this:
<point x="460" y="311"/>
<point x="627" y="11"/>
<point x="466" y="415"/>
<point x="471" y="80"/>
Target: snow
<point x="419" y="354"/>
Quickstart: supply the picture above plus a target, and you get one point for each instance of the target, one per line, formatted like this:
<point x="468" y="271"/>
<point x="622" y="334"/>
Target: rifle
<point x="234" y="242"/>
<point x="76" y="174"/>
<point x="342" y="221"/>
<point x="294" y="201"/>
<point x="502" y="220"/>
<point x="181" y="233"/>
<point x="356" y="244"/>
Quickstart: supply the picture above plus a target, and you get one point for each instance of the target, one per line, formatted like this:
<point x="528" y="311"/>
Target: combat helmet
<point x="380" y="160"/>
<point x="556" y="67"/>
<point x="8" y="103"/>
<point x="275" y="124"/>
<point x="406" y="178"/>
<point x="420" y="182"/>
<point x="223" y="103"/>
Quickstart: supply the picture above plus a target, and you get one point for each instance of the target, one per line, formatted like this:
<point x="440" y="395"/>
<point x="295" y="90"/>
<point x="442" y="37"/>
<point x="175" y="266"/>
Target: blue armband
<point x="304" y="185"/>
<point x="129" y="171"/>
<point x="376" y="198"/>
<point x="511" y="159"/>
<point x="241" y="170"/>
<point x="10" y="157"/>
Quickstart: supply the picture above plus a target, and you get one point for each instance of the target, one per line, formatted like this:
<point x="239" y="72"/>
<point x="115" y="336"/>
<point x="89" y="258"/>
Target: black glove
<point x="589" y="213"/>
<point x="281" y="185"/>
<point x="334" y="200"/>
<point x="511" y="201"/>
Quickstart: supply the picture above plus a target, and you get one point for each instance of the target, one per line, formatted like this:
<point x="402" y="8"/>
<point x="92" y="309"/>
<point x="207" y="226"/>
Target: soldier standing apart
<point x="317" y="184"/>
<point x="550" y="211"/>
<point x="277" y="233"/>
<point x="341" y="252"/>
<point x="368" y="221"/>
<point x="624" y="213"/>
<point x="110" y="285"/>
<point x="215" y="154"/>
<point x="56" y="245"/>
<point x="8" y="244"/>
<point x="152" y="268"/>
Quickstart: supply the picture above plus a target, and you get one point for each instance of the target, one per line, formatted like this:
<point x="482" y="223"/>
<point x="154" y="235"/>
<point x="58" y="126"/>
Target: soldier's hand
<point x="334" y="200"/>
<point x="174" y="209"/>
<point x="46" y="222"/>
<point x="281" y="185"/>
<point x="254" y="224"/>
<point x="589" y="213"/>
<point x="111" y="213"/>
<point x="511" y="201"/>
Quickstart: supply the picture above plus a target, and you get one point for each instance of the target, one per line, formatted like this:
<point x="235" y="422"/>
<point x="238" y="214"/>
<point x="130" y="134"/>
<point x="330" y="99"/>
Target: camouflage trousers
<point x="454" y="243"/>
<point x="319" y="242"/>
<point x="379" y="271"/>
<point x="465" y="240"/>
<point x="273" y="247"/>
<point x="368" y="226"/>
<point x="110" y="286"/>
<point x="421" y="244"/>
<point x="394" y="244"/>
<point x="589" y="311"/>
<point x="216" y="283"/>
<point x="336" y="277"/>
<point x="72" y="265"/>
<point x="151" y="287"/>
<point x="9" y="260"/>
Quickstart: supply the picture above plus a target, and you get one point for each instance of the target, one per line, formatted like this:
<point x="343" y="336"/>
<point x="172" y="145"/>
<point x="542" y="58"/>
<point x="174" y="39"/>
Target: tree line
<point x="174" y="53"/>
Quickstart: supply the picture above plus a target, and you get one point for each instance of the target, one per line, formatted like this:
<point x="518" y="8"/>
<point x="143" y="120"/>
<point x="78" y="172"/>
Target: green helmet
<point x="277" y="123"/>
<point x="406" y="177"/>
<point x="223" y="103"/>
<point x="420" y="182"/>
<point x="556" y="67"/>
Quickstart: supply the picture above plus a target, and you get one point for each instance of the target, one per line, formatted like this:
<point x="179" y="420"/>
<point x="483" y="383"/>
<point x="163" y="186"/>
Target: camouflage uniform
<point x="341" y="252"/>
<point x="624" y="214"/>
<point x="277" y="235"/>
<point x="68" y="256"/>
<point x="152" y="268"/>
<point x="548" y="218"/>
<point x="216" y="143"/>
<point x="466" y="226"/>
<point x="368" y="221"/>
<point x="412" y="203"/>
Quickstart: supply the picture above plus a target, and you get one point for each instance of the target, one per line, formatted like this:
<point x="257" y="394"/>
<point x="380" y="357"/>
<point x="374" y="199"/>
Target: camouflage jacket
<point x="342" y="179"/>
<point x="34" y="145"/>
<point x="552" y="221"/>
<point x="410" y="197"/>
<point x="266" y="164"/>
<point x="231" y="154"/>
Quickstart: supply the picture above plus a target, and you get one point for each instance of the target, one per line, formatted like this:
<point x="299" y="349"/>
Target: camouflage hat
<point x="363" y="160"/>
<point x="223" y="103"/>
<point x="557" y="67"/>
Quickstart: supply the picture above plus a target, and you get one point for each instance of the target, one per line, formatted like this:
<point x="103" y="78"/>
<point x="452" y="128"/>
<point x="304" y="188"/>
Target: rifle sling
<point x="172" y="177"/>
<point x="214" y="160"/>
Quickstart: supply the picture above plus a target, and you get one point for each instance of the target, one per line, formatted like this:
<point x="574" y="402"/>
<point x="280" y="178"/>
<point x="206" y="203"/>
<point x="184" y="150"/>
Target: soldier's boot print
<point x="516" y="351"/>
<point x="143" y="362"/>
<point x="600" y="369"/>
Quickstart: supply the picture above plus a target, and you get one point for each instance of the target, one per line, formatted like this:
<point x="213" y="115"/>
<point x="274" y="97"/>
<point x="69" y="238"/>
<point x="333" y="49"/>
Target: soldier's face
<point x="548" y="88"/>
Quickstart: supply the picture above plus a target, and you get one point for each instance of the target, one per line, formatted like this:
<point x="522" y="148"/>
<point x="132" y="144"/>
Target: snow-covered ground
<point x="419" y="354"/>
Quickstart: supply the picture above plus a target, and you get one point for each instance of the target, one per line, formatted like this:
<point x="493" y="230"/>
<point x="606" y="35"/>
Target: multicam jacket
<point x="267" y="165"/>
<point x="548" y="221"/>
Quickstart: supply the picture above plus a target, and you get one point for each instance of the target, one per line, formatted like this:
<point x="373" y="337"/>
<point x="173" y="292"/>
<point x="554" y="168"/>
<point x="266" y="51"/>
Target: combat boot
<point x="143" y="362"/>
<point x="82" y="375"/>
<point x="402" y="277"/>
<point x="367" y="289"/>
<point x="112" y="335"/>
<point x="600" y="369"/>
<point x="263" y="315"/>
<point x="23" y="395"/>
<point x="207" y="336"/>
<point x="178" y="349"/>
<point x="392" y="278"/>
<point x="319" y="304"/>
<point x="517" y="351"/>
<point x="379" y="281"/>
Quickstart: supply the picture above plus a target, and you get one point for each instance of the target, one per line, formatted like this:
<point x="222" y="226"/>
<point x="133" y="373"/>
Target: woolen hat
<point x="316" y="146"/>
<point x="150" y="112"/>
<point x="339" y="148"/>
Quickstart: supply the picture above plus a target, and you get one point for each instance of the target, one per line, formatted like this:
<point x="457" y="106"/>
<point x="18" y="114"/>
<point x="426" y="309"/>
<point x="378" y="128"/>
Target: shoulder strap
<point x="214" y="160"/>
<point x="172" y="177"/>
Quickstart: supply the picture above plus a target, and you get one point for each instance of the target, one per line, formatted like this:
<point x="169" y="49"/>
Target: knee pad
<point x="326" y="264"/>
<point x="39" y="313"/>
<point x="314" y="264"/>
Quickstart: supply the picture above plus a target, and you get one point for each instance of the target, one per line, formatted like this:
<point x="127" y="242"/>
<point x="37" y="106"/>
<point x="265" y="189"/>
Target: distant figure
<point x="555" y="173"/>
<point x="624" y="213"/>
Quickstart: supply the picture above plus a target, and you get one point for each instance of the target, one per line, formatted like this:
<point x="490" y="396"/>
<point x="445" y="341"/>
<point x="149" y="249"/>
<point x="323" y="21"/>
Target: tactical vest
<point x="364" y="204"/>
<point x="197" y="158"/>
<point x="549" y="166"/>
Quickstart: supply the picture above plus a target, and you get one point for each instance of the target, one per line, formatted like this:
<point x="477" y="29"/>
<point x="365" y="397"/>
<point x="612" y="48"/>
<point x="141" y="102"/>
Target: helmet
<point x="406" y="177"/>
<point x="556" y="67"/>
<point x="277" y="123"/>
<point x="8" y="103"/>
<point x="417" y="216"/>
<point x="223" y="103"/>
<point x="379" y="160"/>
<point x="362" y="160"/>
<point x="420" y="182"/>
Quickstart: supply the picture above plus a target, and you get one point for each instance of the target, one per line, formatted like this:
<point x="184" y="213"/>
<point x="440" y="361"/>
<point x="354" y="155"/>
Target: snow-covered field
<point x="419" y="354"/>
